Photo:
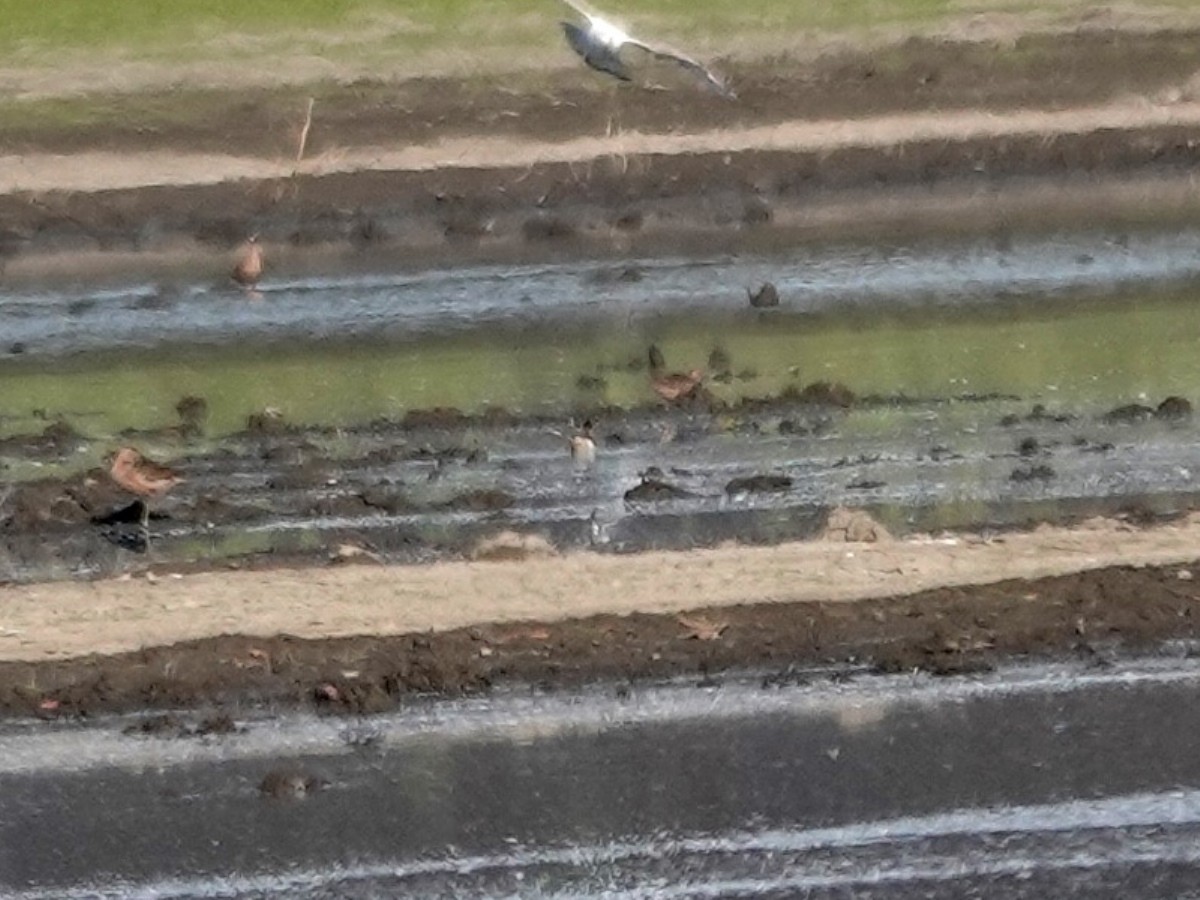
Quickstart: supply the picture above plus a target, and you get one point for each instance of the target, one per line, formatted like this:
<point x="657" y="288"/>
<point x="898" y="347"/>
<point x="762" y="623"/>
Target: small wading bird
<point x="600" y="44"/>
<point x="143" y="478"/>
<point x="583" y="445"/>
<point x="249" y="266"/>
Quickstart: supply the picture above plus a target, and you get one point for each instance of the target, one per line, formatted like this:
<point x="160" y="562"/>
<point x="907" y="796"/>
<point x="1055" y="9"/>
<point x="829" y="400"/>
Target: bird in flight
<point x="600" y="44"/>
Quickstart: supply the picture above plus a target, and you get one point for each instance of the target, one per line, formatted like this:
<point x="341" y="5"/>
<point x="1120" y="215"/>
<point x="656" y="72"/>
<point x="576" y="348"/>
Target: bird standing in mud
<point x="144" y="478"/>
<point x="583" y="445"/>
<point x="600" y="44"/>
<point x="249" y="266"/>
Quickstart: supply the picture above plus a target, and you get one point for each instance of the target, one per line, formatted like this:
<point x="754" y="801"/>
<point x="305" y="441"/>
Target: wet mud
<point x="533" y="209"/>
<point x="435" y="484"/>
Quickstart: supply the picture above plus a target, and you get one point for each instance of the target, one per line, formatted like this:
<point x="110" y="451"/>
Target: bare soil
<point x="454" y="170"/>
<point x="1042" y="116"/>
<point x="949" y="630"/>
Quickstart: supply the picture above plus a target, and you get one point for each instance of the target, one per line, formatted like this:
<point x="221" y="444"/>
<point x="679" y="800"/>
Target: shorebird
<point x="143" y="478"/>
<point x="249" y="266"/>
<point x="676" y="386"/>
<point x="600" y="44"/>
<point x="583" y="445"/>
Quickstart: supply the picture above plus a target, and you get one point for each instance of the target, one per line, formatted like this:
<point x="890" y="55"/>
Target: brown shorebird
<point x="583" y="445"/>
<point x="249" y="266"/>
<point x="143" y="478"/>
<point x="677" y="386"/>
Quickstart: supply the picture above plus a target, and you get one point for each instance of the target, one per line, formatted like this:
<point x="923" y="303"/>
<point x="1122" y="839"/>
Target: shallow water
<point x="1063" y="779"/>
<point x="942" y="342"/>
<point x="1088" y="319"/>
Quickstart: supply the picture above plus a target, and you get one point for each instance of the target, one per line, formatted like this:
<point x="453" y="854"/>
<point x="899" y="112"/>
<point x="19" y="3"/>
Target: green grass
<point x="39" y="34"/>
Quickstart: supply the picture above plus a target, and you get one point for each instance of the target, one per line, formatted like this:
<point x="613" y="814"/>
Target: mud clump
<point x="756" y="211"/>
<point x="56" y="440"/>
<point x="170" y="726"/>
<point x="766" y="297"/>
<point x="759" y="484"/>
<point x="481" y="500"/>
<point x="164" y="726"/>
<point x="853" y="526"/>
<point x="1029" y="446"/>
<point x="1174" y="409"/>
<point x="655" y="490"/>
<point x="547" y="228"/>
<point x="1038" y="413"/>
<point x="1128" y="414"/>
<point x="72" y="501"/>
<point x="820" y="393"/>
<point x="269" y="421"/>
<point x="308" y="475"/>
<point x="866" y="484"/>
<point x="1040" y="472"/>
<point x="193" y="416"/>
<point x="437" y="417"/>
<point x="629" y="220"/>
<point x="512" y="546"/>
<point x="940" y="663"/>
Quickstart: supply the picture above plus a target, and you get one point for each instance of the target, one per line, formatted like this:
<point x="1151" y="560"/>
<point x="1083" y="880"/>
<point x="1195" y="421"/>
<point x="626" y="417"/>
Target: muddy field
<point x="1000" y="140"/>
<point x="482" y="181"/>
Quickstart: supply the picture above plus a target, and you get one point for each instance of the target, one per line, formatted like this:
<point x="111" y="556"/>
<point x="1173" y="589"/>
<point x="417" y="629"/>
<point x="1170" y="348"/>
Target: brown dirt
<point x="949" y="630"/>
<point x="464" y="169"/>
<point x="361" y="636"/>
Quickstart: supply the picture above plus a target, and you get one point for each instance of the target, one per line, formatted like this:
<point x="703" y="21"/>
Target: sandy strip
<point x="71" y="619"/>
<point x="96" y="171"/>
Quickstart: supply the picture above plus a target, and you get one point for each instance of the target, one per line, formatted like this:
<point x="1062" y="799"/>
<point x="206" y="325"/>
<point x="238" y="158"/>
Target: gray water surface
<point x="1062" y="780"/>
<point x="407" y="304"/>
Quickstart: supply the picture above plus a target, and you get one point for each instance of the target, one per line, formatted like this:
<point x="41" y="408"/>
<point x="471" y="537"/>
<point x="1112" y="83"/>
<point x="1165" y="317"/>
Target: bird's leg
<point x="145" y="524"/>
<point x="613" y="113"/>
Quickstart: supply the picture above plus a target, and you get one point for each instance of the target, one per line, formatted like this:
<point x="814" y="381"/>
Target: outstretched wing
<point x="595" y="54"/>
<point x="705" y="74"/>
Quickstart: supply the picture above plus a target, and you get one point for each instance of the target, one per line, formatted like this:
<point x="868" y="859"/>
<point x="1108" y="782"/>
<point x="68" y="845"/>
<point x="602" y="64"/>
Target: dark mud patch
<point x="56" y="441"/>
<point x="759" y="484"/>
<point x="676" y="194"/>
<point x="948" y="631"/>
<point x="1050" y="70"/>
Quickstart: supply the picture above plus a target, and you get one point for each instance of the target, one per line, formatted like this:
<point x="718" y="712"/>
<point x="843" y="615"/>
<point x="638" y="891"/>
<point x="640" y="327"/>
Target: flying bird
<point x="600" y="44"/>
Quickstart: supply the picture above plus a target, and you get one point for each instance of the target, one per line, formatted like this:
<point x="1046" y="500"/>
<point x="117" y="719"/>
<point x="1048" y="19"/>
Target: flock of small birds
<point x="603" y="46"/>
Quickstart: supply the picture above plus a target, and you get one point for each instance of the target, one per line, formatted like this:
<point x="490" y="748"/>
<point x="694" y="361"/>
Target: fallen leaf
<point x="701" y="629"/>
<point x="346" y="552"/>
